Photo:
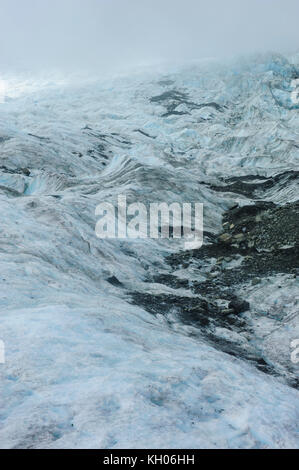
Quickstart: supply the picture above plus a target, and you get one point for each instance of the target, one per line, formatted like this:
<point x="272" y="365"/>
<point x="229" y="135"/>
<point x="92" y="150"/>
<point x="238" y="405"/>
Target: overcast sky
<point x="103" y="33"/>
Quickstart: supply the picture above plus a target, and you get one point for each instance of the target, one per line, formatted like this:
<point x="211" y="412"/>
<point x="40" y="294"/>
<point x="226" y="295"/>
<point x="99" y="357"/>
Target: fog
<point x="118" y="33"/>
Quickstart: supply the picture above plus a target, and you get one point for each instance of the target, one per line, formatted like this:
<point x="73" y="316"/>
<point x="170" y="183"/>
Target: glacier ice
<point x="84" y="367"/>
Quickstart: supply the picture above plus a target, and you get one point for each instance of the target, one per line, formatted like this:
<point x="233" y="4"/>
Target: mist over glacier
<point x="119" y="34"/>
<point x="141" y="344"/>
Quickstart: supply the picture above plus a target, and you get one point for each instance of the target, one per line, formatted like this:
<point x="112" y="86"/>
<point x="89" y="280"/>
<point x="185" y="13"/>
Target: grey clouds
<point x="102" y="33"/>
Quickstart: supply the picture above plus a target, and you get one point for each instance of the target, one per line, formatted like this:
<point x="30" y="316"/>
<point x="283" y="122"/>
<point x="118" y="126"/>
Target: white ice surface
<point x="109" y="375"/>
<point x="84" y="368"/>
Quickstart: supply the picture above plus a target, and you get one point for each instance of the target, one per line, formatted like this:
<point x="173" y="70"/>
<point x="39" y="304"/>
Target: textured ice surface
<point x="84" y="367"/>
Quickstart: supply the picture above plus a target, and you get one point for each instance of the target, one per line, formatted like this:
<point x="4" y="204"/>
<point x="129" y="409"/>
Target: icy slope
<point x="93" y="358"/>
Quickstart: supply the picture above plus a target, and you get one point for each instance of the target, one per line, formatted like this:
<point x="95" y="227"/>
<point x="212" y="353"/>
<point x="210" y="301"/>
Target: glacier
<point x="100" y="348"/>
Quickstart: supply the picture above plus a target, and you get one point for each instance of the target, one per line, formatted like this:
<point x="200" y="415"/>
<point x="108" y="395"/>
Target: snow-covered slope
<point x="89" y="361"/>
